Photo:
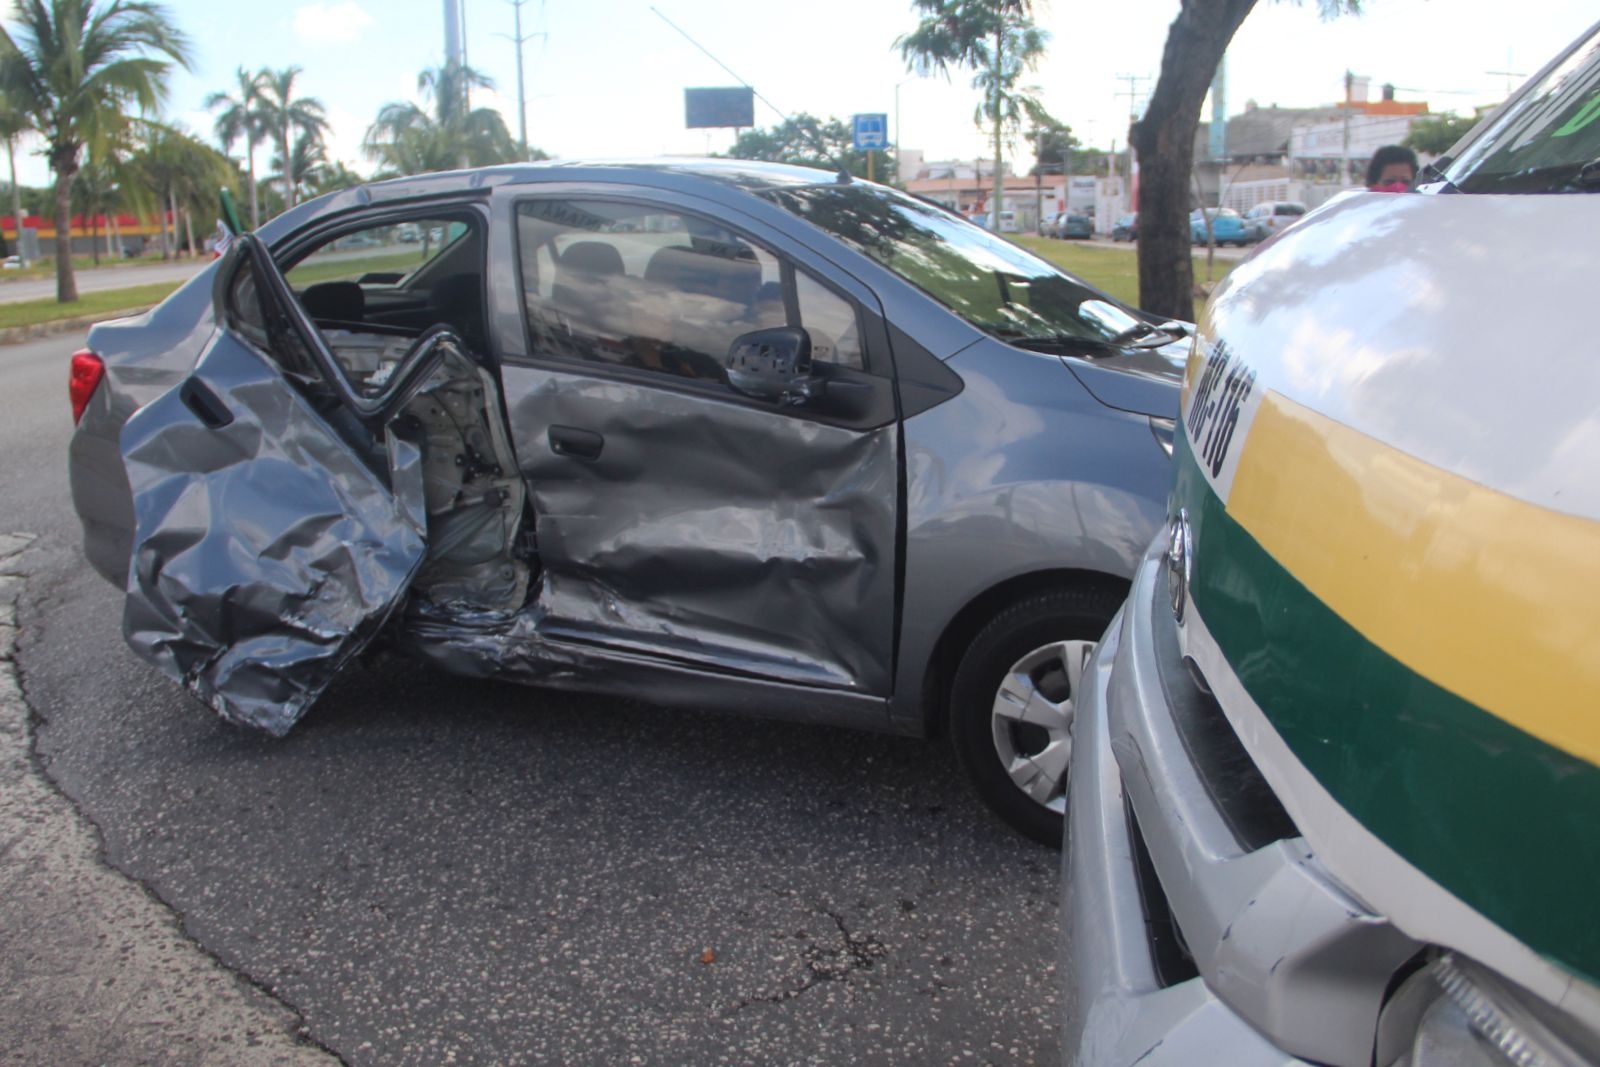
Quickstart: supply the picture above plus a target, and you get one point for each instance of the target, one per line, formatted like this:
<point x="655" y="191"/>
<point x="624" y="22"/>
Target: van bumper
<point x="1184" y="945"/>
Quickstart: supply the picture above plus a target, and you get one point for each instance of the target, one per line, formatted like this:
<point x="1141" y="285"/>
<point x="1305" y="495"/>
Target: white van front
<point x="1336" y="790"/>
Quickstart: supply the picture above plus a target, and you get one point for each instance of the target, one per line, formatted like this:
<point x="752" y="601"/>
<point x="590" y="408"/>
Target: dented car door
<point x="280" y="511"/>
<point x="678" y="518"/>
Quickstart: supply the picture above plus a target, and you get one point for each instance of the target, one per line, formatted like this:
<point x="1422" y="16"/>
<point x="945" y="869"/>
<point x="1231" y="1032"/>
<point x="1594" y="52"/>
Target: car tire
<point x="1026" y="663"/>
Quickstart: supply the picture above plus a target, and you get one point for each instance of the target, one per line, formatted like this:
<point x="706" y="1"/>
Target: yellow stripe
<point x="1492" y="598"/>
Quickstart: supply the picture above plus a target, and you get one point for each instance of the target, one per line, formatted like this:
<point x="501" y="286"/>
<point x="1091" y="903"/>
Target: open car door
<point x="279" y="508"/>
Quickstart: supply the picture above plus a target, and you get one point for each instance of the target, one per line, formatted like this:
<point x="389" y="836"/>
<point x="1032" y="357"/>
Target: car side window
<point x="643" y="286"/>
<point x="831" y="321"/>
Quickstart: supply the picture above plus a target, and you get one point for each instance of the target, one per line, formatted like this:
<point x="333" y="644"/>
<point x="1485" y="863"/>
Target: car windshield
<point x="1547" y="140"/>
<point x="993" y="284"/>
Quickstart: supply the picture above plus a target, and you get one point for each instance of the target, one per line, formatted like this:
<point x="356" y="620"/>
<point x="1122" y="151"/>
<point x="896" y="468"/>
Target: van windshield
<point x="1547" y="140"/>
<point x="995" y="285"/>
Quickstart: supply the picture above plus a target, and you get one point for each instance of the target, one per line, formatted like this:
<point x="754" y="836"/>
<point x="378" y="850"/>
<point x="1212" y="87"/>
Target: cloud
<point x="339" y="23"/>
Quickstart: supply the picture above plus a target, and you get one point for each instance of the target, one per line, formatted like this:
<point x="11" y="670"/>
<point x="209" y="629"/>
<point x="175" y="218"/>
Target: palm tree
<point x="285" y="116"/>
<point x="408" y="139"/>
<point x="67" y="63"/>
<point x="14" y="122"/>
<point x="306" y="158"/>
<point x="243" y="116"/>
<point x="998" y="40"/>
<point x="178" y="175"/>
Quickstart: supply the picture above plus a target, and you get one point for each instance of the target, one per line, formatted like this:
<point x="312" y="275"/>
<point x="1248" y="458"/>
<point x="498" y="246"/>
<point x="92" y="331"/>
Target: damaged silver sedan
<point x="729" y="435"/>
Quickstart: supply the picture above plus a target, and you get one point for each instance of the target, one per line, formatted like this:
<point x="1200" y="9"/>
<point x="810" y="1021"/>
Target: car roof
<point x="735" y="176"/>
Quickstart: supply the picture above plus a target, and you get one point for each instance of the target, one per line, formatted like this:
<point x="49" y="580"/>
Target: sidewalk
<point x="93" y="970"/>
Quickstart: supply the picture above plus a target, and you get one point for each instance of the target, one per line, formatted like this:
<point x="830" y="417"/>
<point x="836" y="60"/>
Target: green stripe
<point x="1504" y="821"/>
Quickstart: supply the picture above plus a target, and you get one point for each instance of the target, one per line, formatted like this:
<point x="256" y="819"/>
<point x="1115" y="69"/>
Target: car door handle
<point x="205" y="404"/>
<point x="571" y="441"/>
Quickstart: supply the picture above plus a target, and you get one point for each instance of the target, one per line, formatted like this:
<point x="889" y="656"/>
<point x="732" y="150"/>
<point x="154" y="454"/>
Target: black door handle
<point x="205" y="404"/>
<point x="571" y="441"/>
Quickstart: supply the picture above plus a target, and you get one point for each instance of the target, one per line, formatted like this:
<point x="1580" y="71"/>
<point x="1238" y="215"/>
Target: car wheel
<point x="1013" y="702"/>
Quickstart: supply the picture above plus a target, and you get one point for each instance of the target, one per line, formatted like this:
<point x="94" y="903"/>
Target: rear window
<point x="1547" y="139"/>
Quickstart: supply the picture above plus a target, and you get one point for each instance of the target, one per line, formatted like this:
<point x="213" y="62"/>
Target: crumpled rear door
<point x="266" y="551"/>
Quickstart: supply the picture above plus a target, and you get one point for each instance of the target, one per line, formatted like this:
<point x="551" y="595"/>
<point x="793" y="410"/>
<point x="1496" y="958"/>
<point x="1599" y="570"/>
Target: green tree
<point x="446" y="134"/>
<point x="1164" y="142"/>
<point x="243" y="116"/>
<point x="308" y="156"/>
<point x="999" y="42"/>
<point x="1058" y="150"/>
<point x="331" y="176"/>
<point x="68" y="63"/>
<point x="1436" y="134"/>
<point x="808" y="141"/>
<point x="287" y="118"/>
<point x="177" y="175"/>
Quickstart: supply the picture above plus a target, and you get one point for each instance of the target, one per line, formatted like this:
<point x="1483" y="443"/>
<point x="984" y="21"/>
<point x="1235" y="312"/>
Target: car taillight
<point x="87" y="370"/>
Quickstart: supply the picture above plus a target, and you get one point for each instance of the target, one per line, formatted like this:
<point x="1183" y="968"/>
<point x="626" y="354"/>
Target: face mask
<point x="1392" y="187"/>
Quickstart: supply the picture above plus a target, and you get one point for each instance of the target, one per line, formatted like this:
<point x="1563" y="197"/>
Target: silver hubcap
<point x="1032" y="719"/>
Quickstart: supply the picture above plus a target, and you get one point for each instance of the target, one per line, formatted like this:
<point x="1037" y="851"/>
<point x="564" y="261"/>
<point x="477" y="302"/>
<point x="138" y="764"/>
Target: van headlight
<point x="1455" y="1013"/>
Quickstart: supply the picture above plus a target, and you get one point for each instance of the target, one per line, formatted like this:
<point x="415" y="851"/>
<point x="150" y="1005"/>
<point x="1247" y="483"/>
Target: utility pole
<point x="1133" y="94"/>
<point x="452" y="32"/>
<point x="1508" y="73"/>
<point x="522" y="92"/>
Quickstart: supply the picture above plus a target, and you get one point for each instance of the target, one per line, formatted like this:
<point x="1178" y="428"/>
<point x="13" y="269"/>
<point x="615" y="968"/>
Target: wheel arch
<point x="976" y="613"/>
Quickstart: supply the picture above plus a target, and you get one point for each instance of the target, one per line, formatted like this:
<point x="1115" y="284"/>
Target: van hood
<point x="1386" y="466"/>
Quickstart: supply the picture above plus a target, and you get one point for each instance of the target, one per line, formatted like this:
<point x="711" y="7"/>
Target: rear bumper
<point x="1277" y="963"/>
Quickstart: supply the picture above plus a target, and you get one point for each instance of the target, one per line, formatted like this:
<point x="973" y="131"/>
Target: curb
<point x="97" y="969"/>
<point x="13" y="335"/>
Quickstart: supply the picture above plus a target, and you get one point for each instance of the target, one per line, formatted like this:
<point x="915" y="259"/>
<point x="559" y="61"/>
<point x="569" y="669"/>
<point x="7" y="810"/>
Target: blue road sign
<point x="870" y="131"/>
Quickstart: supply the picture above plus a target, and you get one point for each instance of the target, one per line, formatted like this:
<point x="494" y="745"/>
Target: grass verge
<point x="1116" y="270"/>
<point x="34" y="312"/>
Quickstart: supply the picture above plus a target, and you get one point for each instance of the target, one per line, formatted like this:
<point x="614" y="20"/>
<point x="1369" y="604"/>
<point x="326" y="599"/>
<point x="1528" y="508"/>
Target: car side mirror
<point x="773" y="364"/>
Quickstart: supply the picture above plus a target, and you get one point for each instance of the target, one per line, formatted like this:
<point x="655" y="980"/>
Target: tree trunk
<point x="255" y="197"/>
<point x="66" y="281"/>
<point x="188" y="229"/>
<point x="94" y="235"/>
<point x="288" y="167"/>
<point x="161" y="224"/>
<point x="172" y="213"/>
<point x="16" y="198"/>
<point x="1164" y="141"/>
<point x="994" y="101"/>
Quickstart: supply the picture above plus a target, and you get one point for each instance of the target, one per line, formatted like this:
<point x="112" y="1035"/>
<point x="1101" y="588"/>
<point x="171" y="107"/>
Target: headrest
<point x="697" y="272"/>
<point x="339" y="301"/>
<point x="592" y="257"/>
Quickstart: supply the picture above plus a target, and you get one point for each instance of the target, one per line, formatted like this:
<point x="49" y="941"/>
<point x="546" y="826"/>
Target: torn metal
<point x="266" y="552"/>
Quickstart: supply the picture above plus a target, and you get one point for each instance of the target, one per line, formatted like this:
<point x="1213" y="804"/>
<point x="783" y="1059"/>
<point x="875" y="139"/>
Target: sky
<point x="605" y="78"/>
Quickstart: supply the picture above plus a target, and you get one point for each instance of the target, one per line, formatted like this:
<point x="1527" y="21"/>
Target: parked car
<point x="1268" y="218"/>
<point x="1336" y="771"/>
<point x="1227" y="228"/>
<point x="1047" y="224"/>
<point x="1126" y="228"/>
<point x="718" y="433"/>
<point x="1074" y="225"/>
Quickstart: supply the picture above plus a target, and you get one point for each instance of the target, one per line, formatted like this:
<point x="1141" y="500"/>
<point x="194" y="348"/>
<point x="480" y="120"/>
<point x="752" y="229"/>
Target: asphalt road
<point x="431" y="870"/>
<point x="120" y="276"/>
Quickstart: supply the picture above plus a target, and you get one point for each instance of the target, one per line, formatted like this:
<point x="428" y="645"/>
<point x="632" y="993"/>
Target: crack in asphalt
<point x="856" y="952"/>
<point x="33" y="598"/>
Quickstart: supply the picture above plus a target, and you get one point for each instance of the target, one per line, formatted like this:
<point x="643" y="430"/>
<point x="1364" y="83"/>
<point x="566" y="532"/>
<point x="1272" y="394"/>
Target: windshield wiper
<point x="1145" y="335"/>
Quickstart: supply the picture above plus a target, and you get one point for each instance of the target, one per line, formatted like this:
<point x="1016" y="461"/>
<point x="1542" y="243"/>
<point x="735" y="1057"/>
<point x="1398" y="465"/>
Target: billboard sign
<point x="711" y="108"/>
